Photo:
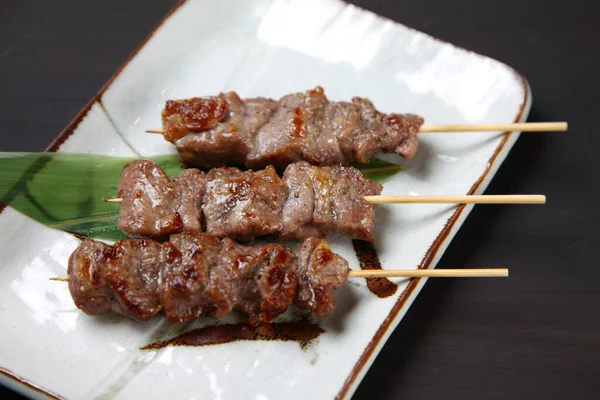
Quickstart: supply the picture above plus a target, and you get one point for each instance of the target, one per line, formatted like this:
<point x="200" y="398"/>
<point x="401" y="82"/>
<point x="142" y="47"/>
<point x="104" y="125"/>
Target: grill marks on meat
<point x="188" y="262"/>
<point x="196" y="274"/>
<point x="266" y="278"/>
<point x="243" y="204"/>
<point x="144" y="185"/>
<point x="169" y="206"/>
<point x="352" y="214"/>
<point x="226" y="139"/>
<point x="121" y="278"/>
<point x="88" y="289"/>
<point x="131" y="272"/>
<point x="190" y="186"/>
<point x="300" y="126"/>
<point x="198" y="113"/>
<point x="323" y="199"/>
<point x="309" y="201"/>
<point x="319" y="275"/>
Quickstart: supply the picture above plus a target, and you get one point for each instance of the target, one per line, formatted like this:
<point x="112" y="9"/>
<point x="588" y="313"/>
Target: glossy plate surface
<point x="258" y="48"/>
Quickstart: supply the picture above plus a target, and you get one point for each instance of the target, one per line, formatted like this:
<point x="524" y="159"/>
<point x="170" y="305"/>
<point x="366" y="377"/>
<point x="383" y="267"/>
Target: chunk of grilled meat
<point x="122" y="278"/>
<point x="309" y="201"/>
<point x="225" y="130"/>
<point x="170" y="205"/>
<point x="243" y="203"/>
<point x="195" y="274"/>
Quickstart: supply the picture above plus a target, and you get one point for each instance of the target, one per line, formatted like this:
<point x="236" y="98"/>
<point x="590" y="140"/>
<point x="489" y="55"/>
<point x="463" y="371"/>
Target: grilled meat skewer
<point x="309" y="201"/>
<point x="195" y="274"/>
<point x="225" y="130"/>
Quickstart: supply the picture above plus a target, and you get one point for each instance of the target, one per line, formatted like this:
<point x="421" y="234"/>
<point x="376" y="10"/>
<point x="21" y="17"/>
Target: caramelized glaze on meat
<point x="122" y="278"/>
<point x="310" y="201"/>
<point x="226" y="130"/>
<point x="265" y="276"/>
<point x="226" y="141"/>
<point x="186" y="293"/>
<point x="324" y="199"/>
<point x="243" y="204"/>
<point x="195" y="274"/>
<point x="321" y="271"/>
<point x="195" y="114"/>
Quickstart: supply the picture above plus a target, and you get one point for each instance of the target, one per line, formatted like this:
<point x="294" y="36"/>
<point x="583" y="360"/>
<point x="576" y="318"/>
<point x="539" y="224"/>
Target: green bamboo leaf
<point x="67" y="191"/>
<point x="378" y="170"/>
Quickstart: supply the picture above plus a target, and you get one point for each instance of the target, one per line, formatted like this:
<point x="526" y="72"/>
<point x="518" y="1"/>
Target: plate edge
<point x="442" y="240"/>
<point x="25" y="386"/>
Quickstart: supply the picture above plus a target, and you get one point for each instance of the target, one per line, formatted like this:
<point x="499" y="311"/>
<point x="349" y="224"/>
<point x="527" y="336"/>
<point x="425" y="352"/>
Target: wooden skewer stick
<point x="516" y="127"/>
<point x="409" y="273"/>
<point x="429" y="273"/>
<point x="467" y="199"/>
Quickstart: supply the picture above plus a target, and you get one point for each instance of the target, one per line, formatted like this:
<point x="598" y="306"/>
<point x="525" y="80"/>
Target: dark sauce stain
<point x="302" y="332"/>
<point x="368" y="259"/>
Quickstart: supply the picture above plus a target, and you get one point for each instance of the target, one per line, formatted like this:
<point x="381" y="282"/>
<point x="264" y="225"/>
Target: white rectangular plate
<point x="258" y="48"/>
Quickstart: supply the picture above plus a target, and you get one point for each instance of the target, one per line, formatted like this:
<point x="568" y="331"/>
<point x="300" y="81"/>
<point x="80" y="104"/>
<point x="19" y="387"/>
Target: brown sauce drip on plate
<point x="368" y="259"/>
<point x="302" y="332"/>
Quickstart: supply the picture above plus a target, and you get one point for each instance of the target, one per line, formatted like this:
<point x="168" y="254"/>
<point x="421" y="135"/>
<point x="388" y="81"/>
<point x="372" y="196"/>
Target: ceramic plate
<point x="258" y="48"/>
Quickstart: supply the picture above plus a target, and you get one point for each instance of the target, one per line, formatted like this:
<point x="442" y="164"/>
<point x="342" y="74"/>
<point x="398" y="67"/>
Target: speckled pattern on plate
<point x="258" y="48"/>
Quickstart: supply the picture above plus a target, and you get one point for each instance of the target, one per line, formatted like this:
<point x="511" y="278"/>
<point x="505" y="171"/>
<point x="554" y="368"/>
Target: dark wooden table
<point x="534" y="335"/>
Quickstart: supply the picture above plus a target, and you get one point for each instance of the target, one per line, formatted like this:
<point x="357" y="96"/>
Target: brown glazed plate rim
<point x="407" y="296"/>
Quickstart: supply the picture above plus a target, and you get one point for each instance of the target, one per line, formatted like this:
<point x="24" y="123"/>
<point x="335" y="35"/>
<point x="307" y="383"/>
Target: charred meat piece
<point x="226" y="130"/>
<point x="310" y="201"/>
<point x="307" y="211"/>
<point x="320" y="272"/>
<point x="323" y="199"/>
<point x="195" y="274"/>
<point x="132" y="271"/>
<point x="190" y="185"/>
<point x="222" y="138"/>
<point x="122" y="278"/>
<point x="266" y="278"/>
<point x="299" y="208"/>
<point x="154" y="206"/>
<point x="198" y="113"/>
<point x="289" y="133"/>
<point x="192" y="282"/>
<point x="243" y="204"/>
<point x="392" y="133"/>
<point x="89" y="290"/>
<point x="149" y="206"/>
<point x="353" y="216"/>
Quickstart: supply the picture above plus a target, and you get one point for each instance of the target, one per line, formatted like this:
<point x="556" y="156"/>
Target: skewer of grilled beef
<point x="225" y="130"/>
<point x="309" y="201"/>
<point x="195" y="274"/>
